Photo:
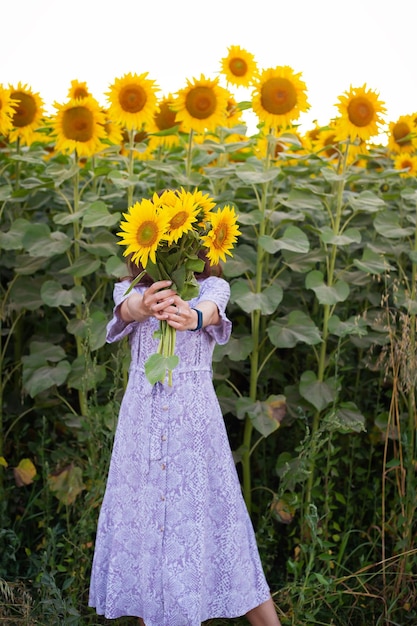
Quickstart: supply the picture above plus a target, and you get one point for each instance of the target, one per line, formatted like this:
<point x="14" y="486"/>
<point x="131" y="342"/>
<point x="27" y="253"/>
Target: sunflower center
<point x="132" y="98"/>
<point x="78" y="124"/>
<point x="238" y="66"/>
<point x="178" y="220"/>
<point x="25" y="109"/>
<point x="401" y="132"/>
<point x="165" y="118"/>
<point x="360" y="111"/>
<point x="221" y="235"/>
<point x="147" y="234"/>
<point x="201" y="102"/>
<point x="329" y="143"/>
<point x="278" y="96"/>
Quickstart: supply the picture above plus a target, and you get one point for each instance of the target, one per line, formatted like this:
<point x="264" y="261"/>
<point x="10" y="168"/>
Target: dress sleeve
<point x="217" y="290"/>
<point x="116" y="328"/>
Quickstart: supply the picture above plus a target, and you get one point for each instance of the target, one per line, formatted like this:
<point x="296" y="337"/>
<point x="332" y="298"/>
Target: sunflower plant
<point x="165" y="236"/>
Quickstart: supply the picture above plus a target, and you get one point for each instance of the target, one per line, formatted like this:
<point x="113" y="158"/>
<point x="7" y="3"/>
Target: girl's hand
<point x="153" y="302"/>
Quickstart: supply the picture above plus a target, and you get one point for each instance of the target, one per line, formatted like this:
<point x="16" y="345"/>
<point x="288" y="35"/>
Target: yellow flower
<point x="205" y="203"/>
<point x="6" y="111"/>
<point x="407" y="162"/>
<point x="360" y="111"/>
<point x="328" y="144"/>
<point x="28" y="114"/>
<point x="144" y="229"/>
<point x="233" y="113"/>
<point x="182" y="215"/>
<point x="114" y="132"/>
<point x="79" y="125"/>
<point x="222" y="236"/>
<point x="279" y="96"/>
<point x="402" y="134"/>
<point x="165" y="116"/>
<point x="78" y="90"/>
<point x="239" y="66"/>
<point x="132" y="100"/>
<point x="202" y="105"/>
<point x="165" y="122"/>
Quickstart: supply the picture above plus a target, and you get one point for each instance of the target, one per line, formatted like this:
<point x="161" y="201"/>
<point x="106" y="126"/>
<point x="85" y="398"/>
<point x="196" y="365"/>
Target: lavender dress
<point x="175" y="544"/>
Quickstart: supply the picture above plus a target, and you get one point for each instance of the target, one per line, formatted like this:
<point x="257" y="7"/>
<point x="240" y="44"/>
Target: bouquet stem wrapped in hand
<point x="165" y="236"/>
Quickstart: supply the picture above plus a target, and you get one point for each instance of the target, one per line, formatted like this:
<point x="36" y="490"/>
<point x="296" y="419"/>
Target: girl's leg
<point x="264" y="615"/>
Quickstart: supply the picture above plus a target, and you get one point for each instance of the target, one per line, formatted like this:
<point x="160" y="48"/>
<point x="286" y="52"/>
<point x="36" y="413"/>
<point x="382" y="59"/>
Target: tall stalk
<point x="255" y="330"/>
<point x="335" y="220"/>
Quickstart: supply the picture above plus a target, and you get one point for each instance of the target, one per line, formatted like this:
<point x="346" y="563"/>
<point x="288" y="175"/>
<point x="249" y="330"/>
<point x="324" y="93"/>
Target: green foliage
<point x="317" y="384"/>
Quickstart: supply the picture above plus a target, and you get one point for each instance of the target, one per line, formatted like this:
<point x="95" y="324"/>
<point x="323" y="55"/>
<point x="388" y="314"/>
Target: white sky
<point x="47" y="43"/>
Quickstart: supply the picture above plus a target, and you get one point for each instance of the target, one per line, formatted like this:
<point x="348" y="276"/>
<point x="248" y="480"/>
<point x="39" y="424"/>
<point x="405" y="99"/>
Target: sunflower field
<point x="318" y="382"/>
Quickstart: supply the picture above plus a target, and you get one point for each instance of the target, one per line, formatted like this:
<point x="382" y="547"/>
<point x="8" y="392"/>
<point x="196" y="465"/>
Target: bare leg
<point x="264" y="615"/>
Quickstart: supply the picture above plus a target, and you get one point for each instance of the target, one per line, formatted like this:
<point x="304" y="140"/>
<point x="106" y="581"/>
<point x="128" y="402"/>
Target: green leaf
<point x="300" y="199"/>
<point x="349" y="236"/>
<point x="105" y="244"/>
<point x="267" y="301"/>
<point x="366" y="201"/>
<point x="387" y="224"/>
<point x="97" y="214"/>
<point x="319" y="393"/>
<point x="242" y="262"/>
<point x="25" y="294"/>
<point x="158" y="366"/>
<point x="373" y="262"/>
<point x="293" y="239"/>
<point x="39" y="241"/>
<point x="67" y="485"/>
<point x="256" y="177"/>
<point x="338" y="292"/>
<point x="13" y="238"/>
<point x="85" y="375"/>
<point x="116" y="267"/>
<point x="353" y="326"/>
<point x="265" y="416"/>
<point x="348" y="419"/>
<point x="297" y="327"/>
<point x="83" y="266"/>
<point x="54" y="295"/>
<point x="237" y="348"/>
<point x="42" y="378"/>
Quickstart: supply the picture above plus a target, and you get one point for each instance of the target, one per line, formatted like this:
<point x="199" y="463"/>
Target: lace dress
<point x="175" y="544"/>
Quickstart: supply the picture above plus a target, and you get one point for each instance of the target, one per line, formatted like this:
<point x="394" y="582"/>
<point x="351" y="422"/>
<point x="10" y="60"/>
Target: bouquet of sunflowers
<point x="164" y="236"/>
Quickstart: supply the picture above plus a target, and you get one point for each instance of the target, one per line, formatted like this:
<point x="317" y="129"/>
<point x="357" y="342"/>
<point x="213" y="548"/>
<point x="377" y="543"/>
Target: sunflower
<point x="144" y="229"/>
<point x="202" y="105"/>
<point x="239" y="66"/>
<point x="406" y="164"/>
<point x="182" y="215"/>
<point x="233" y="113"/>
<point x="78" y="90"/>
<point x="114" y="132"/>
<point x="79" y="125"/>
<point x="166" y="123"/>
<point x="222" y="236"/>
<point x="328" y="144"/>
<point x="402" y="134"/>
<point x="205" y="203"/>
<point x="361" y="113"/>
<point x="28" y="114"/>
<point x="132" y="100"/>
<point x="6" y="111"/>
<point x="279" y="96"/>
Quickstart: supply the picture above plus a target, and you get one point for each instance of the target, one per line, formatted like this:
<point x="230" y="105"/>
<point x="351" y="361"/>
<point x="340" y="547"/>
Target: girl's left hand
<point x="180" y="315"/>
